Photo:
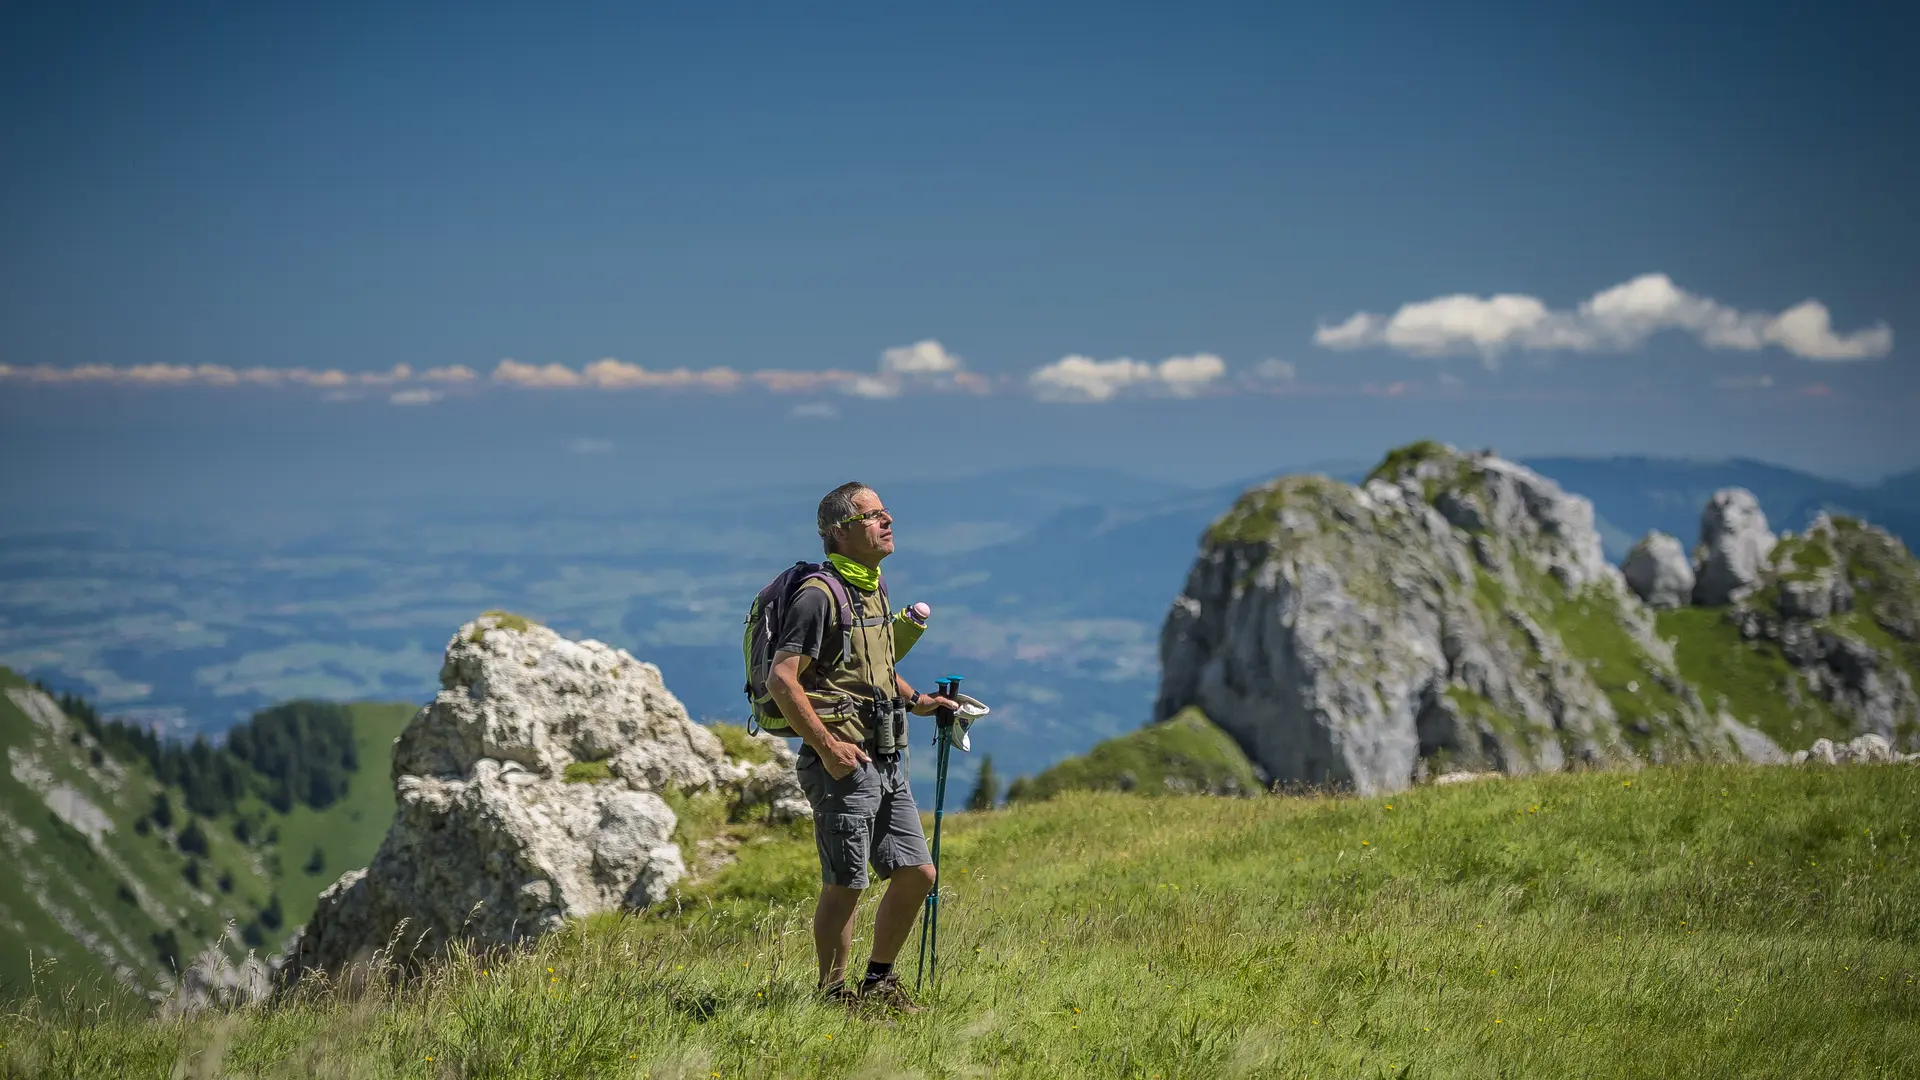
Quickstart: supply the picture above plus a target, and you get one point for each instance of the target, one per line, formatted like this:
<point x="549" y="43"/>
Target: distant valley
<point x="1049" y="588"/>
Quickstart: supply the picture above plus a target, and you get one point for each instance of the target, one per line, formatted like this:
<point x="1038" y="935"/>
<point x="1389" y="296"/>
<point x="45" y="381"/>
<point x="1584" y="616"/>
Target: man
<point x="836" y="690"/>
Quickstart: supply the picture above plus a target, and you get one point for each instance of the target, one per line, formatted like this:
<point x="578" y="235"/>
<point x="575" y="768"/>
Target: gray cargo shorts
<point x="868" y="817"/>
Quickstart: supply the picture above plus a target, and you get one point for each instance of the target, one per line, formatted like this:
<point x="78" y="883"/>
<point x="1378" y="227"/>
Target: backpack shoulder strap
<point x="842" y="602"/>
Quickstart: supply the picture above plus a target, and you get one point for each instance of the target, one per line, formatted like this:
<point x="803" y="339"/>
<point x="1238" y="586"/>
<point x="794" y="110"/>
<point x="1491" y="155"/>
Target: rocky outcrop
<point x="531" y="791"/>
<point x="1658" y="572"/>
<point x="1453" y="614"/>
<point x="1865" y="750"/>
<point x="1807" y="604"/>
<point x="1734" y="547"/>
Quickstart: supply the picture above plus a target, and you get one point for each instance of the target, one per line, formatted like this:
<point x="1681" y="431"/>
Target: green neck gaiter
<point x="864" y="578"/>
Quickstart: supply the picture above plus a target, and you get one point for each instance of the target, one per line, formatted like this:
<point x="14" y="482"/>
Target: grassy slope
<point x="1751" y="679"/>
<point x="82" y="885"/>
<point x="1187" y="753"/>
<point x="349" y="831"/>
<point x="1702" y="921"/>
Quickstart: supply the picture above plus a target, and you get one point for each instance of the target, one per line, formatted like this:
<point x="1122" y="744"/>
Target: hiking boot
<point x="886" y="991"/>
<point x="840" y="994"/>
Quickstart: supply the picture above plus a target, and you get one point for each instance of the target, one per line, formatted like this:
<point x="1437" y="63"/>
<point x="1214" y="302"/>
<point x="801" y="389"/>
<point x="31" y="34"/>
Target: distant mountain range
<point x="1634" y="494"/>
<point x="1049" y="587"/>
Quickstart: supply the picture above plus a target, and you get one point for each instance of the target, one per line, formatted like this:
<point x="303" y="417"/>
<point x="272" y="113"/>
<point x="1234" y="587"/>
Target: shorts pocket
<point x="846" y="842"/>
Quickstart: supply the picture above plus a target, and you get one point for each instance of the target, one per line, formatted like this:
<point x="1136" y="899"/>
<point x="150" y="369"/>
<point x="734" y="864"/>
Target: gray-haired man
<point x="837" y="698"/>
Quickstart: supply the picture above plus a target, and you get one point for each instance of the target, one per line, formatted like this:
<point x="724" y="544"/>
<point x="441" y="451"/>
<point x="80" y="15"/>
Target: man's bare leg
<point x="907" y="889"/>
<point x="833" y="931"/>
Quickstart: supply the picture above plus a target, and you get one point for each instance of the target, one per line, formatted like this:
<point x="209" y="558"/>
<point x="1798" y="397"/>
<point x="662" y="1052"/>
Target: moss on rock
<point x="498" y="620"/>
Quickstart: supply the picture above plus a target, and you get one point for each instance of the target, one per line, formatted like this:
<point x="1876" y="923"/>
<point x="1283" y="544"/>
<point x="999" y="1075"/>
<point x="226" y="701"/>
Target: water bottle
<point x="908" y="625"/>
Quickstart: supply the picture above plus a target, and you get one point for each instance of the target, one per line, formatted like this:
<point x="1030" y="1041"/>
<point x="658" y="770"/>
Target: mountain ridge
<point x="1457" y="612"/>
<point x="120" y="883"/>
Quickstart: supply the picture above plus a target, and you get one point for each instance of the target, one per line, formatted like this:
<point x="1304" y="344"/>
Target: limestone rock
<point x="529" y="793"/>
<point x="1408" y="629"/>
<point x="1868" y="749"/>
<point x="215" y="981"/>
<point x="1658" y="572"/>
<point x="1843" y="645"/>
<point x="1753" y="744"/>
<point x="1734" y="547"/>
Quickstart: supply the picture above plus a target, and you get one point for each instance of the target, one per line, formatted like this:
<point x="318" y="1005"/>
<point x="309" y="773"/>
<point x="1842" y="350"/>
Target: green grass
<point x="1589" y="625"/>
<point x="72" y="910"/>
<point x="586" y="772"/>
<point x="1753" y="679"/>
<point x="348" y="831"/>
<point x="700" y="815"/>
<point x="1402" y="458"/>
<point x="1254" y="517"/>
<point x="502" y="620"/>
<point x="741" y="746"/>
<point x="1185" y="754"/>
<point x="1708" y="921"/>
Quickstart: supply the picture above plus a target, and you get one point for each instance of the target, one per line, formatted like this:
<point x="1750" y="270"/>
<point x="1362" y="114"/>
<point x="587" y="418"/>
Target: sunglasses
<point x="872" y="515"/>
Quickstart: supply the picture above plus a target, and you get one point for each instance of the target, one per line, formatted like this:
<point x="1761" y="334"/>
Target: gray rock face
<point x="1658" y="572"/>
<point x="214" y="981"/>
<point x="492" y="841"/>
<point x="1407" y="629"/>
<point x="1799" y="605"/>
<point x="1734" y="547"/>
<point x="1869" y="749"/>
<point x="1753" y="744"/>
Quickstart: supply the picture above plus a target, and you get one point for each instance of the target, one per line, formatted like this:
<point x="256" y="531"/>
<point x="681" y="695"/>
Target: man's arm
<point x="783" y="682"/>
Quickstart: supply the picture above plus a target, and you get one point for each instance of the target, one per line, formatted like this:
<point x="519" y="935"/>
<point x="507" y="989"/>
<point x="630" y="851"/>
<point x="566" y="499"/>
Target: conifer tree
<point x="986" y="790"/>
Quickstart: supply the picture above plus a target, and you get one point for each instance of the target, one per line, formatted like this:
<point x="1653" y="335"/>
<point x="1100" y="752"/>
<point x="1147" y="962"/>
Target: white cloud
<point x="415" y="395"/>
<point x="872" y="386"/>
<point x="613" y="374"/>
<point x="1617" y="319"/>
<point x="538" y="377"/>
<point x="1185" y="376"/>
<point x="1359" y="329"/>
<point x="1082" y="378"/>
<point x="922" y="365"/>
<point x="921" y="358"/>
<point x="814" y="410"/>
<point x="800" y="381"/>
<point x="1274" y="370"/>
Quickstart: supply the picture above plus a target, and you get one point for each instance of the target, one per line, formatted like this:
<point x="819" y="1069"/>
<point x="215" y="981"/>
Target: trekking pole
<point x="930" y="922"/>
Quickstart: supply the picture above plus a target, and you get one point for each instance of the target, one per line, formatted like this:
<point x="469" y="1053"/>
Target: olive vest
<point x="842" y="680"/>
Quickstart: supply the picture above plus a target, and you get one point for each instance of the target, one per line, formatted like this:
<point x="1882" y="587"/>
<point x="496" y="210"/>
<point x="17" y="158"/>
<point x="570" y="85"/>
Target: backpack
<point x="764" y="616"/>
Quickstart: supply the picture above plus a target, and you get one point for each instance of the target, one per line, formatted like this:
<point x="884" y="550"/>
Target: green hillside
<point x="1186" y="754"/>
<point x="348" y="832"/>
<point x="119" y="882"/>
<point x="1707" y="921"/>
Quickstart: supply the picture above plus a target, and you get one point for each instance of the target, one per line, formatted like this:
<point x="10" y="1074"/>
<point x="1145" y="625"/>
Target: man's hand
<point x="928" y="704"/>
<point x="842" y="758"/>
<point x="839" y="757"/>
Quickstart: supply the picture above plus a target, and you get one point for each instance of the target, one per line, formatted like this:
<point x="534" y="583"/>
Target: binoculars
<point x="886" y="722"/>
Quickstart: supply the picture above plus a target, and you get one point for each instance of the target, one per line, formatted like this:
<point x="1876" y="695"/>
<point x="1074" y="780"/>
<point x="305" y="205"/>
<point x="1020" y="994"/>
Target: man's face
<point x="869" y="540"/>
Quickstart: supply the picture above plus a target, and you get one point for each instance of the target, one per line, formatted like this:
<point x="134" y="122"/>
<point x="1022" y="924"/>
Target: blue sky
<point x="354" y="187"/>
